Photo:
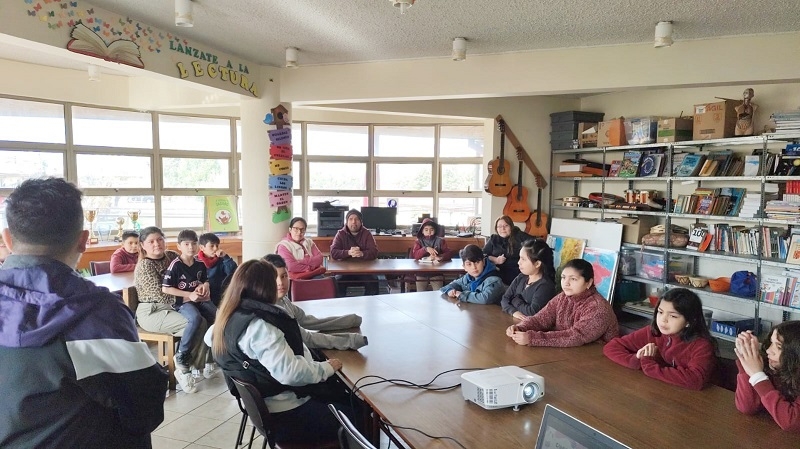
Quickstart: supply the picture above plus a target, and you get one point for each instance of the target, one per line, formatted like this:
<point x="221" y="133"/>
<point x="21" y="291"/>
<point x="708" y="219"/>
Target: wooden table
<point x="102" y="251"/>
<point x="116" y="282"/>
<point x="393" y="267"/>
<point x="398" y="244"/>
<point x="415" y="336"/>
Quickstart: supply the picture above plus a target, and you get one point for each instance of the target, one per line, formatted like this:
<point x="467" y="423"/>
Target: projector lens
<point x="530" y="391"/>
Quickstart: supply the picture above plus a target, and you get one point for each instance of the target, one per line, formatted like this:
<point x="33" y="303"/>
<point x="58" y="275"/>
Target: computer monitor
<point x="380" y="218"/>
<point x="559" y="429"/>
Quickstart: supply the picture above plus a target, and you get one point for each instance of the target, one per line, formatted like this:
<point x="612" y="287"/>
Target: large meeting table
<point x="415" y="336"/>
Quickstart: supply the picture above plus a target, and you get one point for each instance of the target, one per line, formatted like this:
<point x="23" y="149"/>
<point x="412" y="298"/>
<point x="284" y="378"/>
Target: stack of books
<point x="726" y="201"/>
<point x="783" y="210"/>
<point x="787" y="122"/>
<point x="751" y="203"/>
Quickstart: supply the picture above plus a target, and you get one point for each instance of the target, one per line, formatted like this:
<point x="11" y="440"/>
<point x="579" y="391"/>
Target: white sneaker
<point x="209" y="370"/>
<point x="186" y="381"/>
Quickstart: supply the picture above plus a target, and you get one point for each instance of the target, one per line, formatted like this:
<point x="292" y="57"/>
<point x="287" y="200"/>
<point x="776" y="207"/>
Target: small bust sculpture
<point x="745" y="113"/>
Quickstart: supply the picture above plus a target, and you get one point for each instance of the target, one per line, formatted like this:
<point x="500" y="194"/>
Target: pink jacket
<point x="300" y="257"/>
<point x="685" y="364"/>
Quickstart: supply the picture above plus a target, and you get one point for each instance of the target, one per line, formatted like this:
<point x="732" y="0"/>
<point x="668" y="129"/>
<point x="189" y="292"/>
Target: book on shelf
<point x="709" y="168"/>
<point x="735" y="199"/>
<point x="704" y="204"/>
<point x="613" y="172"/>
<point x="723" y="159"/>
<point x="787" y="166"/>
<point x="650" y="165"/>
<point x="677" y="160"/>
<point x="691" y="165"/>
<point x="698" y="237"/>
<point x="773" y="288"/>
<point x="793" y="250"/>
<point x="630" y="164"/>
<point x="751" y="165"/>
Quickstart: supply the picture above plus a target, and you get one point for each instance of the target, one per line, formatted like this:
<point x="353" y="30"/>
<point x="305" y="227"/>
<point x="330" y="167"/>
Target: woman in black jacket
<point x="503" y="248"/>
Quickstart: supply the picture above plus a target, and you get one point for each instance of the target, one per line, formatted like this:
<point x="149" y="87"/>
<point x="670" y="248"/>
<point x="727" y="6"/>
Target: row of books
<point x="783" y="210"/>
<point x="787" y="122"/>
<point x="725" y="201"/>
<point x="792" y="192"/>
<point x="781" y="289"/>
<point x="776" y="243"/>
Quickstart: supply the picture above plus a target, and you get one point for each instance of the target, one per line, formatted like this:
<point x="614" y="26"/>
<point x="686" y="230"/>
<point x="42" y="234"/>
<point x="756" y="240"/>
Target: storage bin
<point x="651" y="266"/>
<point x="641" y="130"/>
<point x="576" y="116"/>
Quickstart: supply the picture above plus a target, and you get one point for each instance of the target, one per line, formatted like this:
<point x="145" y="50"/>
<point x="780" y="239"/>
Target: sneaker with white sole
<point x="209" y="370"/>
<point x="186" y="381"/>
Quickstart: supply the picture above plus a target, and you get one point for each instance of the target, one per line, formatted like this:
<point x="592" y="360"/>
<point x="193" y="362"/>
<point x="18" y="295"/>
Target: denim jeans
<point x="194" y="312"/>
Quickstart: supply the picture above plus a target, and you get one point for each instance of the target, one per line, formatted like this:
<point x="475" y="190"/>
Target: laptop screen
<point x="560" y="430"/>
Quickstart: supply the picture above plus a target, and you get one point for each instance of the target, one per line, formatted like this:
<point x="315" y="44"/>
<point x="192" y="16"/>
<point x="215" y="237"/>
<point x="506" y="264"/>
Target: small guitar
<point x="517" y="202"/>
<point x="499" y="181"/>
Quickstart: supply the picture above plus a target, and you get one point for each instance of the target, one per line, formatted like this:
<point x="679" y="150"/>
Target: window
<point x="458" y="211"/>
<point x="195" y="173"/>
<point x="461" y="141"/>
<point x="111" y="208"/>
<point x="17" y="166"/>
<point x="32" y="121"/>
<point x="462" y="177"/>
<point x="113" y="171"/>
<point x="404" y="177"/>
<point x="337" y="140"/>
<point x="194" y="133"/>
<point x="182" y="212"/>
<point x="409" y="210"/>
<point x="337" y="176"/>
<point x="111" y="128"/>
<point x="404" y="141"/>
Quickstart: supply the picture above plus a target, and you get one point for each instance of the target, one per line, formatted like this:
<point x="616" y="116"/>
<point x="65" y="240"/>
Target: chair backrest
<point x="349" y="436"/>
<point x="304" y="290"/>
<point x="97" y="268"/>
<point x="256" y="409"/>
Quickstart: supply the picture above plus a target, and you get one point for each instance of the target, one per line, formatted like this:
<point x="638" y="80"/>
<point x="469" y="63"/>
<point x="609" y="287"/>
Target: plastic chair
<point x="97" y="268"/>
<point x="304" y="290"/>
<point x="349" y="436"/>
<point x="262" y="420"/>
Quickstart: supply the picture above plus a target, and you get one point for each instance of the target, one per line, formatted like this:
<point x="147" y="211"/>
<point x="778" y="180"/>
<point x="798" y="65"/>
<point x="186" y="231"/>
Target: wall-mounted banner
<point x="283" y="152"/>
<point x="278" y="199"/>
<point x="280" y="136"/>
<point x="280" y="183"/>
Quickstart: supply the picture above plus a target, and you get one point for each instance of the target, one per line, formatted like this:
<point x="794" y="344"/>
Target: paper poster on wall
<point x="604" y="262"/>
<point x="221" y="214"/>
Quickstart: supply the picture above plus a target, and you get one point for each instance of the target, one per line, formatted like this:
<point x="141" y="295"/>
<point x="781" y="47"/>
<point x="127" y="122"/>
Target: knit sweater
<point x="122" y="261"/>
<point x="685" y="364"/>
<point x="568" y="321"/>
<point x="765" y="396"/>
<point x="527" y="299"/>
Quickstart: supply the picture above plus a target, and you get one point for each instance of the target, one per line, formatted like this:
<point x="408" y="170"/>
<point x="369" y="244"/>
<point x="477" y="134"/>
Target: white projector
<point x="506" y="386"/>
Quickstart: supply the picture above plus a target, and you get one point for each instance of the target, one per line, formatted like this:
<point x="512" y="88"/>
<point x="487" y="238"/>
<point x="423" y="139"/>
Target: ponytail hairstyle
<point x="537" y="249"/>
<point x="254" y="280"/>
<point x="788" y="373"/>
<point x="688" y="304"/>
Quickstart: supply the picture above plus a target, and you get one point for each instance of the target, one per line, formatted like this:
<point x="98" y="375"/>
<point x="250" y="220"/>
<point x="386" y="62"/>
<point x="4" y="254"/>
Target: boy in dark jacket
<point x="430" y="247"/>
<point x="354" y="241"/>
<point x="74" y="373"/>
<point x="218" y="264"/>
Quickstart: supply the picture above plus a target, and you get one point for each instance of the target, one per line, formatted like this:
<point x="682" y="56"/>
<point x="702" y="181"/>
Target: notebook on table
<point x="559" y="430"/>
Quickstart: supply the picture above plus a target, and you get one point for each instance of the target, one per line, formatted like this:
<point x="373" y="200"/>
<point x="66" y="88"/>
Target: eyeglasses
<point x="298" y="229"/>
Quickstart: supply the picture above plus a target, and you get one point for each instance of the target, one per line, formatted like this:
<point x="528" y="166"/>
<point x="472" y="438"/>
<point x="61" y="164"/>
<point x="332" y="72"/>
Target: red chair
<point x="97" y="268"/>
<point x="304" y="290"/>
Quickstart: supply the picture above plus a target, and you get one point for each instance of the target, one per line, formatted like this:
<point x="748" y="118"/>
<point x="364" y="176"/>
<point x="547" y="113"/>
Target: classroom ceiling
<point x="336" y="32"/>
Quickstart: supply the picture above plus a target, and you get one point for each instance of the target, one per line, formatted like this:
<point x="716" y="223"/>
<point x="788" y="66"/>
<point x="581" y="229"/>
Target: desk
<point x="116" y="282"/>
<point x="397" y="244"/>
<point x="415" y="336"/>
<point x="394" y="267"/>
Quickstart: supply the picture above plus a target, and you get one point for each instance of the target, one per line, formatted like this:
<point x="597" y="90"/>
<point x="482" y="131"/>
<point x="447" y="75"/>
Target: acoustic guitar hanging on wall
<point x="517" y="201"/>
<point x="499" y="181"/>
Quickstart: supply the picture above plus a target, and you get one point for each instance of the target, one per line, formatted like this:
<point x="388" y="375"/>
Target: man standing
<point x="354" y="241"/>
<point x="73" y="372"/>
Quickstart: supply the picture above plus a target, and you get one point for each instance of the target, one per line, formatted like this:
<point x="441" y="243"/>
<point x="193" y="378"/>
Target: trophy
<point x="134" y="215"/>
<point x="90" y="215"/>
<point x="120" y="221"/>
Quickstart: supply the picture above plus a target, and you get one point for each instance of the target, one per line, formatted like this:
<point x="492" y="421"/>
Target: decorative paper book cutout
<point x="278" y="199"/>
<point x="280" y="152"/>
<point x="87" y="42"/>
<point x="280" y="182"/>
<point x="280" y="167"/>
<point x="280" y="136"/>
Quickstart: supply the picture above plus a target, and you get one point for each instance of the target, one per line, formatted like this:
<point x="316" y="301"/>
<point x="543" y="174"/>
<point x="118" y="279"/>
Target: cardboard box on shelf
<point x="611" y="133"/>
<point x="675" y="129"/>
<point x="715" y="120"/>
<point x="587" y="140"/>
<point x="633" y="228"/>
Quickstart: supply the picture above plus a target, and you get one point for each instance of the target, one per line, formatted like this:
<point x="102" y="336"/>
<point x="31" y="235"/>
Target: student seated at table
<point x="431" y="247"/>
<point x="481" y="284"/>
<point x="156" y="313"/>
<point x="769" y="374"/>
<point x="127" y="255"/>
<point x="576" y="316"/>
<point x="186" y="279"/>
<point x="296" y="388"/>
<point x="535" y="286"/>
<point x="303" y="258"/>
<point x="218" y="264"/>
<point x="676" y="348"/>
<point x="503" y="247"/>
<point x="346" y="340"/>
<point x="355" y="242"/>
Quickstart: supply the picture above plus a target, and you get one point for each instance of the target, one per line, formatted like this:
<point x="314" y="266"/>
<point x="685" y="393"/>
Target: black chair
<point x="349" y="436"/>
<point x="261" y="419"/>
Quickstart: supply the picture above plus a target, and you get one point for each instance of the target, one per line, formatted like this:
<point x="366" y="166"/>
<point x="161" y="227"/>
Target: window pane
<point x="113" y="171"/>
<point x="337" y="140"/>
<point x="184" y="212"/>
<point x="337" y="175"/>
<point x="30" y="121"/>
<point x="458" y="211"/>
<point x="297" y="138"/>
<point x="348" y="202"/>
<point x="109" y="208"/>
<point x="194" y="133"/>
<point x="17" y="166"/>
<point x="463" y="177"/>
<point x="111" y="128"/>
<point x="297" y="182"/>
<point x="461" y="141"/>
<point x="238" y="136"/>
<point x="195" y="173"/>
<point x="404" y="141"/>
<point x="409" y="210"/>
<point x="403" y="177"/>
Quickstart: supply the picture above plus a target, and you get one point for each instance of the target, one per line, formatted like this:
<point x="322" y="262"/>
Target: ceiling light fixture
<point x="291" y="57"/>
<point x="459" y="49"/>
<point x="183" y="13"/>
<point x="663" y="34"/>
<point x="403" y="4"/>
<point x="94" y="72"/>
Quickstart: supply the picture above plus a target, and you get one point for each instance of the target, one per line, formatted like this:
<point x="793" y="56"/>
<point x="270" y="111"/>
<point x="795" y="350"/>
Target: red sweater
<point x="122" y="261"/>
<point x="764" y="395"/>
<point x="685" y="364"/>
<point x="572" y="321"/>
